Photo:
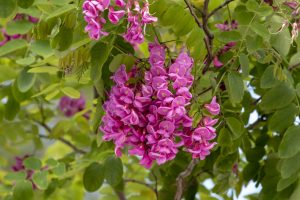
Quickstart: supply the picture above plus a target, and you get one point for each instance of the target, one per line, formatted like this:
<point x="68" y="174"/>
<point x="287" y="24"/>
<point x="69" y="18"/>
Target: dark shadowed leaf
<point x="113" y="170"/>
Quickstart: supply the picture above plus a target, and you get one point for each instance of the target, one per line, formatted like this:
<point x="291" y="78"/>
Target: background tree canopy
<point x="57" y="58"/>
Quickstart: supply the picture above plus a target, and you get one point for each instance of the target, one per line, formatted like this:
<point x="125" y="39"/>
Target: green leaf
<point x="7" y="73"/>
<point x="93" y="177"/>
<point x="25" y="3"/>
<point x="51" y="162"/>
<point x="290" y="166"/>
<point x="255" y="154"/>
<point x="99" y="54"/>
<point x="25" y="61"/>
<point x="283" y="118"/>
<point x="63" y="40"/>
<point x="20" y="96"/>
<point x="277" y="97"/>
<point x="254" y="42"/>
<point x="290" y="144"/>
<point x="12" y="46"/>
<point x="284" y="183"/>
<point x="71" y="92"/>
<point x="236" y="127"/>
<point x="235" y="86"/>
<point x="2" y="112"/>
<point x="19" y="27"/>
<point x="296" y="193"/>
<point x="295" y="59"/>
<point x="260" y="29"/>
<point x="41" y="48"/>
<point x="262" y="10"/>
<point x="32" y="163"/>
<point x="7" y="7"/>
<point x="244" y="62"/>
<point x="15" y="176"/>
<point x="120" y="59"/>
<point x="268" y="78"/>
<point x="40" y="179"/>
<point x="60" y="169"/>
<point x="229" y="36"/>
<point x="280" y="42"/>
<point x="12" y="108"/>
<point x="298" y="89"/>
<point x="43" y="69"/>
<point x="23" y="191"/>
<point x="113" y="170"/>
<point x="62" y="10"/>
<point x="51" y="95"/>
<point x="224" y="137"/>
<point x="250" y="171"/>
<point x="25" y="80"/>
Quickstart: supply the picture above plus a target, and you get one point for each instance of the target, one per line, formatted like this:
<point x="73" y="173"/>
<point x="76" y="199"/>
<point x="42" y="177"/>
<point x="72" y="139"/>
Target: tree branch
<point x="204" y="25"/>
<point x="190" y="7"/>
<point x="209" y="37"/>
<point x="219" y="7"/>
<point x="180" y="179"/>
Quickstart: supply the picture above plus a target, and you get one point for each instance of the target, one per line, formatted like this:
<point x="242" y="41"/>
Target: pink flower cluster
<point x="151" y="118"/>
<point x="226" y="26"/>
<point x="7" y="37"/>
<point x="71" y="106"/>
<point x="137" y="18"/>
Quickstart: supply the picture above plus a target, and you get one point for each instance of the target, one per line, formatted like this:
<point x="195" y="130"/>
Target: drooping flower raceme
<point x="136" y="18"/>
<point x="151" y="117"/>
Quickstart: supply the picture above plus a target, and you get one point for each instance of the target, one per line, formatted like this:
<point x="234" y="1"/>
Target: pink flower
<point x="70" y="106"/>
<point x="146" y="17"/>
<point x="115" y="16"/>
<point x="292" y="4"/>
<point x="213" y="107"/>
<point x="227" y="26"/>
<point x="120" y="76"/>
<point x="33" y="19"/>
<point x="217" y="63"/>
<point x="120" y="3"/>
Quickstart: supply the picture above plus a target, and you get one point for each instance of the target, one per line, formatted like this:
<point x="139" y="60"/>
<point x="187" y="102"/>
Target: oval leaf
<point x="25" y="80"/>
<point x="93" y="177"/>
<point x="113" y="170"/>
<point x="235" y="86"/>
<point x="290" y="144"/>
<point x="71" y="92"/>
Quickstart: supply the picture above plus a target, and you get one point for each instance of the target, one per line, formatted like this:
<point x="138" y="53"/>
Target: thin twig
<point x="180" y="179"/>
<point x="294" y="66"/>
<point x="156" y="190"/>
<point x="121" y="195"/>
<point x="66" y="142"/>
<point x="202" y="92"/>
<point x="219" y="7"/>
<point x="141" y="183"/>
